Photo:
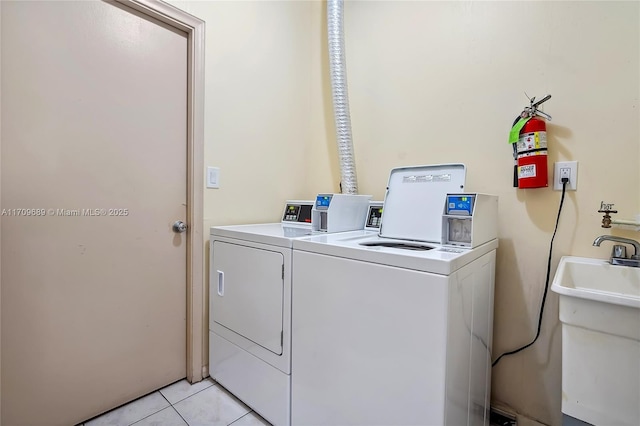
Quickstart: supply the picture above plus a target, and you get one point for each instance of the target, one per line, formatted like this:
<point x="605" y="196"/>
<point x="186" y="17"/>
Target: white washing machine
<point x="392" y="330"/>
<point x="250" y="309"/>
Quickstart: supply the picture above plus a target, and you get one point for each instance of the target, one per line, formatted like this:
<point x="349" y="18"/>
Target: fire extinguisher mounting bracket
<point x="532" y="109"/>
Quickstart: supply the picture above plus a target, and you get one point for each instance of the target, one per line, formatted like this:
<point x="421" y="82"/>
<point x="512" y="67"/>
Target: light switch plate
<point x="213" y="177"/>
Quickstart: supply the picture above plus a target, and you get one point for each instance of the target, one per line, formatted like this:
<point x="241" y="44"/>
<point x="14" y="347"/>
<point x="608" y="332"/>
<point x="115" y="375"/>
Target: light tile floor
<point x="181" y="404"/>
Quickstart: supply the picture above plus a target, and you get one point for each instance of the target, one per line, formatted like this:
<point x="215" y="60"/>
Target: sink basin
<point x="597" y="279"/>
<point x="600" y="315"/>
<point x="599" y="296"/>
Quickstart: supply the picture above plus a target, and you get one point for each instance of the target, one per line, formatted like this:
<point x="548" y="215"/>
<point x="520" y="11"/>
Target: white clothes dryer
<point x="250" y="309"/>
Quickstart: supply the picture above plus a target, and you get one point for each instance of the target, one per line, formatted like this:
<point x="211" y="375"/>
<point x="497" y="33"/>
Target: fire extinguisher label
<point x="532" y="140"/>
<point x="527" y="171"/>
<point x="533" y="153"/>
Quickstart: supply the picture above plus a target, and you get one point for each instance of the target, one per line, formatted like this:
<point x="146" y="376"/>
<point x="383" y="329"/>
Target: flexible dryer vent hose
<point x="338" y="70"/>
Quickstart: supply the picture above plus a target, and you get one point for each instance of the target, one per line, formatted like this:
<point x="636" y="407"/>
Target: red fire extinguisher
<point x="530" y="148"/>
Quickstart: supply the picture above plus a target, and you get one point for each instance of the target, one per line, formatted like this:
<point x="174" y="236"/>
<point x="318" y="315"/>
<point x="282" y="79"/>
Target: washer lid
<point x="414" y="202"/>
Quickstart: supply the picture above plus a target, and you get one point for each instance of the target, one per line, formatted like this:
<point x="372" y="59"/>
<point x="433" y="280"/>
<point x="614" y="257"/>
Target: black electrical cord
<point x="546" y="285"/>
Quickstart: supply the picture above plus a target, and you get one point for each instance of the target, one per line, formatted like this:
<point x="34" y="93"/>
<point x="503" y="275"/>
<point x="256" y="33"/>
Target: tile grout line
<point x="187" y="397"/>
<point x="183" y="399"/>
<point x="202" y="390"/>
<point x="174" y="408"/>
<point x="244" y="415"/>
<point x="165" y="398"/>
<point x="183" y="419"/>
<point x="213" y="382"/>
<point x="156" y="412"/>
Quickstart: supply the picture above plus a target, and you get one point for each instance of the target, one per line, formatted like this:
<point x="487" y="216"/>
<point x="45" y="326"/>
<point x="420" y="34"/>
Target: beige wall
<point x="257" y="105"/>
<point x="258" y="86"/>
<point x="434" y="82"/>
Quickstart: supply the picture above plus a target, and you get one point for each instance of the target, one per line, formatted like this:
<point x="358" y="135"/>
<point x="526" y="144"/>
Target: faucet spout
<point x="634" y="243"/>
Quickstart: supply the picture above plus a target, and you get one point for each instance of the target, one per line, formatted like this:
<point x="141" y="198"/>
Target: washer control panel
<point x="374" y="216"/>
<point x="469" y="220"/>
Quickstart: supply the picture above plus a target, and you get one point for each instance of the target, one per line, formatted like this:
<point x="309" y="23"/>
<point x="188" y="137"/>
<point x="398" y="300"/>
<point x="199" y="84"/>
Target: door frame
<point x="195" y="31"/>
<point x="194" y="28"/>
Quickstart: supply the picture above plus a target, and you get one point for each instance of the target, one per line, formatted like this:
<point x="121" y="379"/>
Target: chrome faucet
<point x="633" y="260"/>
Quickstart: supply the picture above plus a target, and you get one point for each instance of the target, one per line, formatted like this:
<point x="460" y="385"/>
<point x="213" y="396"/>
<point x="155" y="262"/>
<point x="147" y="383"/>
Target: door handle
<point x="179" y="227"/>
<point x="220" y="283"/>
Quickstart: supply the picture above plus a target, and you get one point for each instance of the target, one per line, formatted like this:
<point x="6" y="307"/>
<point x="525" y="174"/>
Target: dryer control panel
<point x="297" y="213"/>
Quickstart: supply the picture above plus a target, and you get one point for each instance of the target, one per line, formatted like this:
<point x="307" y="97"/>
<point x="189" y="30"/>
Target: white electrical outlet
<point x="213" y="177"/>
<point x="565" y="169"/>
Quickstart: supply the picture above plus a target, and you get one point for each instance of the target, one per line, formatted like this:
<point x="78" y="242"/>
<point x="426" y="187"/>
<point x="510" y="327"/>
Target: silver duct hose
<point x="338" y="70"/>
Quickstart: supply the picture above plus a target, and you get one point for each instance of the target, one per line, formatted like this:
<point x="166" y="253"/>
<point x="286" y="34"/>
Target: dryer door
<point x="248" y="285"/>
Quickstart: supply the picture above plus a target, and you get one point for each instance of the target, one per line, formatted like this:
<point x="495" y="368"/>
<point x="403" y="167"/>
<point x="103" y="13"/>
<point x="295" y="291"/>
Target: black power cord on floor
<point x="546" y="285"/>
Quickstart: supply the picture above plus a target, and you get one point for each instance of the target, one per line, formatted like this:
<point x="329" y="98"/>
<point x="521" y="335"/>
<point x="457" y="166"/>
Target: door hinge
<point x="283" y="271"/>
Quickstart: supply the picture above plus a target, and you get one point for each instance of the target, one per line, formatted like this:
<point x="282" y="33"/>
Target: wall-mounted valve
<point x="606" y="209"/>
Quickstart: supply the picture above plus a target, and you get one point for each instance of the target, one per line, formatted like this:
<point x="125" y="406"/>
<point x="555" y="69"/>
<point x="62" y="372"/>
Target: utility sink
<point x="598" y="295"/>
<point x="600" y="315"/>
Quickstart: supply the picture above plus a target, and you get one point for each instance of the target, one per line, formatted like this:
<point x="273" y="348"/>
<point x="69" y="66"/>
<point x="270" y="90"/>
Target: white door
<point x="94" y="163"/>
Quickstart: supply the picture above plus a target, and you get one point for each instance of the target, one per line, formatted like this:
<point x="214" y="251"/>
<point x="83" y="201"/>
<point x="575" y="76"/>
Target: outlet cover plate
<point x="573" y="179"/>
